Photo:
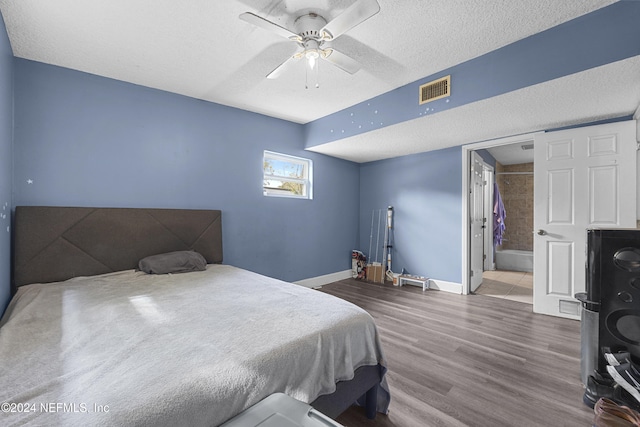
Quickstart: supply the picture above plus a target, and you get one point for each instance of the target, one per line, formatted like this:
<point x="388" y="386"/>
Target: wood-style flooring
<point x="470" y="360"/>
<point x="513" y="285"/>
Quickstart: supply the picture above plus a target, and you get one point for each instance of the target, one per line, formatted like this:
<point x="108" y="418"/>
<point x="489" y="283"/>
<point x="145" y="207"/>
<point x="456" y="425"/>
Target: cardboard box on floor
<point x="375" y="273"/>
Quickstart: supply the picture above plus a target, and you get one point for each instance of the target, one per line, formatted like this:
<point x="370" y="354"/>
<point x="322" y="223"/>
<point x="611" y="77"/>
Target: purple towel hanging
<point x="499" y="215"/>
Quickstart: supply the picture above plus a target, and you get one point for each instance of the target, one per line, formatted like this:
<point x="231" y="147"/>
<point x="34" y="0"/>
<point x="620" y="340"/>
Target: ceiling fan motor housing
<point x="308" y="27"/>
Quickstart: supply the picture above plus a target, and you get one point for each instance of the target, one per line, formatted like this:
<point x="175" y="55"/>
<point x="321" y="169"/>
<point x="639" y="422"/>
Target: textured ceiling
<point x="201" y="49"/>
<point x="561" y="102"/>
<point x="513" y="154"/>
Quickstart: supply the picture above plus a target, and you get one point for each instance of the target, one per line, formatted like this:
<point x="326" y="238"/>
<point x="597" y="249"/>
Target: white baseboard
<point x="442" y="285"/>
<point x="317" y="282"/>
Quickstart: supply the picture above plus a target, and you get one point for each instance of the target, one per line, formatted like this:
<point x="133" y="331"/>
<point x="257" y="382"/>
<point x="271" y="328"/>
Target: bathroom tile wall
<point x="517" y="195"/>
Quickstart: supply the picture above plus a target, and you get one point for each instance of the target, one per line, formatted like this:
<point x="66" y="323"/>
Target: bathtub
<point x="514" y="260"/>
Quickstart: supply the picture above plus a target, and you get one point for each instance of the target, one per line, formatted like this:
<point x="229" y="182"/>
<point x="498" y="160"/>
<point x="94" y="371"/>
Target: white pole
<point x="388" y="246"/>
<point x="373" y="211"/>
<point x="378" y="234"/>
<point x="384" y="249"/>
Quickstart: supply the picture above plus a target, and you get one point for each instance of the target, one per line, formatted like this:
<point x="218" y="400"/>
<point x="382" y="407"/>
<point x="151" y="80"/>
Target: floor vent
<point x="435" y="90"/>
<point x="569" y="307"/>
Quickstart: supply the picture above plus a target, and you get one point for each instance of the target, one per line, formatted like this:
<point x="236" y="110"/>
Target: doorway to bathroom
<point x="510" y="202"/>
<point x="585" y="177"/>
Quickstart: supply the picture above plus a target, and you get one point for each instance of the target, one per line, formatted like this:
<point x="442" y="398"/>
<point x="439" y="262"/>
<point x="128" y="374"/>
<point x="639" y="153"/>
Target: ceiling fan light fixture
<point x="312" y="56"/>
<point x="311" y="52"/>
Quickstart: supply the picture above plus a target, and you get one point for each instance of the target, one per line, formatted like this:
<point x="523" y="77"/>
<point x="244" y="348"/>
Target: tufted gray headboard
<point x="57" y="243"/>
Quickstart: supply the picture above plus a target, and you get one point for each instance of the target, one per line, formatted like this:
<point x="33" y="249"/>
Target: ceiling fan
<point x="313" y="34"/>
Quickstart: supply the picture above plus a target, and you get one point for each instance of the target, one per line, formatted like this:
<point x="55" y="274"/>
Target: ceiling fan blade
<point x="280" y="68"/>
<point x="258" y="21"/>
<point x="355" y="14"/>
<point x="341" y="60"/>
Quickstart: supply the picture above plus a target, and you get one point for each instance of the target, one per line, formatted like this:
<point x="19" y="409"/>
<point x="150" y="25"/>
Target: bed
<point x="89" y="340"/>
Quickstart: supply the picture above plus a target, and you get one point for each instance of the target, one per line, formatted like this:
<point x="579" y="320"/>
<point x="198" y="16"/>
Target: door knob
<point x="541" y="232"/>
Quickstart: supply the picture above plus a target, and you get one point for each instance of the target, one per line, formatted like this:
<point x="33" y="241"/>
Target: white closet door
<point x="583" y="178"/>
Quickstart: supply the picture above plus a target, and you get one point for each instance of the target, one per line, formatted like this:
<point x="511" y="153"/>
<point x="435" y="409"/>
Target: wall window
<point x="287" y="176"/>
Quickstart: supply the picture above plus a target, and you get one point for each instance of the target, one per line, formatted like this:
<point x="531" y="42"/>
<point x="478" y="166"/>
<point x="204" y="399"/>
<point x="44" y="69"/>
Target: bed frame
<point x="53" y="244"/>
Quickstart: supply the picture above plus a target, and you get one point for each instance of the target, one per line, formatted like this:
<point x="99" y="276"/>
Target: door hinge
<point x="484" y="257"/>
<point x="471" y="273"/>
<point x="637" y="146"/>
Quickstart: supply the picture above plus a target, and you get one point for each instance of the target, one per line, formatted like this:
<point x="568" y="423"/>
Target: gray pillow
<point x="173" y="262"/>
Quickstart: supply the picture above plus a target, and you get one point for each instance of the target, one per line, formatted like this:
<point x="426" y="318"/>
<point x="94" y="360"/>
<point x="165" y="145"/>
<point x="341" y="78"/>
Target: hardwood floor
<point x="457" y="360"/>
<point x="513" y="285"/>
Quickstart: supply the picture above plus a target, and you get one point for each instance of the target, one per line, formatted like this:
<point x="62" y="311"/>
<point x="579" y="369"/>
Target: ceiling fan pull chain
<point x="312" y="75"/>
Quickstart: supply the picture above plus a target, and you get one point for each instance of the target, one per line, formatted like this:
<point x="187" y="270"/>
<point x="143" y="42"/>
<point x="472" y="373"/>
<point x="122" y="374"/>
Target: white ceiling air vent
<point x="527" y="147"/>
<point x="435" y="90"/>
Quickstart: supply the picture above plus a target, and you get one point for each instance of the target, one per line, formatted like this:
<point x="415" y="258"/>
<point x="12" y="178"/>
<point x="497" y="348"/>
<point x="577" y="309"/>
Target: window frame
<point x="306" y="181"/>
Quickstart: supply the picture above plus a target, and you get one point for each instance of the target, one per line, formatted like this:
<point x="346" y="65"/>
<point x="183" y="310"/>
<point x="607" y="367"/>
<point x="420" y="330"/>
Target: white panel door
<point x="476" y="211"/>
<point x="583" y="178"/>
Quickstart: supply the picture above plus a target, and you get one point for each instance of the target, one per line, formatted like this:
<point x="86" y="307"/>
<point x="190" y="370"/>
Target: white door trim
<point x="489" y="177"/>
<point x="466" y="161"/>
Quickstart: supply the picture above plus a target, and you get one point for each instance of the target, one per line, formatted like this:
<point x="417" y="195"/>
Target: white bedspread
<point x="128" y="348"/>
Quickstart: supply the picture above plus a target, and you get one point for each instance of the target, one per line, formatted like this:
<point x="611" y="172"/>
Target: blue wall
<point x="6" y="184"/>
<point x="84" y="140"/>
<point x="425" y="191"/>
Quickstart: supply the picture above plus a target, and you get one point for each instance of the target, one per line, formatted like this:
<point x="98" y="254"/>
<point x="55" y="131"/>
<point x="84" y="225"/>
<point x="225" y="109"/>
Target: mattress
<point x="128" y="348"/>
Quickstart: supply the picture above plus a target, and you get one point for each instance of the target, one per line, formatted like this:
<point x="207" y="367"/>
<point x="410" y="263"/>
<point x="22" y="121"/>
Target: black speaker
<point x="613" y="285"/>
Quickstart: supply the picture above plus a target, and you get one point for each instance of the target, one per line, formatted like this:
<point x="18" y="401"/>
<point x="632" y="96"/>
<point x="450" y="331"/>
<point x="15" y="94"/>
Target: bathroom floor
<point x="511" y="285"/>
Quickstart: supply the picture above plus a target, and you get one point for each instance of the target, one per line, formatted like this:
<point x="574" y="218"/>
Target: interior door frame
<point x="466" y="162"/>
<point x="489" y="176"/>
